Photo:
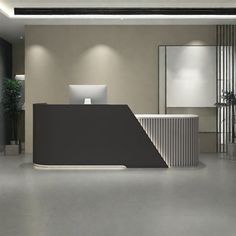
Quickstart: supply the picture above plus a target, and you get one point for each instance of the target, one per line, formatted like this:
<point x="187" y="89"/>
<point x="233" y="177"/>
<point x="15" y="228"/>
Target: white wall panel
<point x="191" y="76"/>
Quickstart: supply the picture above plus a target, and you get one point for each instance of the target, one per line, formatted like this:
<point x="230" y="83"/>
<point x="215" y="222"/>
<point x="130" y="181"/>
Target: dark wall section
<point x="5" y="59"/>
<point x="5" y="72"/>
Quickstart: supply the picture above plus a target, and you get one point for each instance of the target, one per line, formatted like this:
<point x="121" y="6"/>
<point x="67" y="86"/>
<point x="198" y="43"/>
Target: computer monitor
<point x="88" y="94"/>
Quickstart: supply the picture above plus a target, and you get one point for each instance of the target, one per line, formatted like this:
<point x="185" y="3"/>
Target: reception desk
<point x="174" y="136"/>
<point x="91" y="135"/>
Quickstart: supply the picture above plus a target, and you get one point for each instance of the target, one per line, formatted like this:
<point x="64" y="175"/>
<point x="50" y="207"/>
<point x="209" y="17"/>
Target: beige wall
<point x="123" y="57"/>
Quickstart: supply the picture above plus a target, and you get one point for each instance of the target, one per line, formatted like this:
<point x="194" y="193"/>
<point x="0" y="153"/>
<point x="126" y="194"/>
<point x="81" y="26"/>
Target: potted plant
<point x="11" y="106"/>
<point x="229" y="100"/>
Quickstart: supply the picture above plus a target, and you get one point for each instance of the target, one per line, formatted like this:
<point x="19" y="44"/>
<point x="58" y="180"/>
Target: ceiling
<point x="12" y="27"/>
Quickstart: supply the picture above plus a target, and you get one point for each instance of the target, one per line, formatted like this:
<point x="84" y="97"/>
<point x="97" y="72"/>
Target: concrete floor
<point x="133" y="202"/>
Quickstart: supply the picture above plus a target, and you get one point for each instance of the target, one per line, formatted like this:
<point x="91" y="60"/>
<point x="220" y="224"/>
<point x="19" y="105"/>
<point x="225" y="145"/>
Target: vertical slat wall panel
<point x="176" y="138"/>
<point x="225" y="61"/>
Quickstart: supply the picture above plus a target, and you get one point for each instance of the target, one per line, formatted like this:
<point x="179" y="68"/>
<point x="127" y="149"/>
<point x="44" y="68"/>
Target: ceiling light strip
<point x="125" y="11"/>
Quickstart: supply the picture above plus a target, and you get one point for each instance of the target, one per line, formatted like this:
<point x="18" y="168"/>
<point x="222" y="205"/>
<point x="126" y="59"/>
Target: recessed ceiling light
<point x="21" y="37"/>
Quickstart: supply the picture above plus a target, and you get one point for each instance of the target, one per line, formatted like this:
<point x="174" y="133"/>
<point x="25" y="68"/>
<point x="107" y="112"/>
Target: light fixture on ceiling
<point x="131" y="11"/>
<point x="126" y="13"/>
<point x="127" y="17"/>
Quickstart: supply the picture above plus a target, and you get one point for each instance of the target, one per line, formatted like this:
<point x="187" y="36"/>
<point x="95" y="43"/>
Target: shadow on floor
<point x="26" y="165"/>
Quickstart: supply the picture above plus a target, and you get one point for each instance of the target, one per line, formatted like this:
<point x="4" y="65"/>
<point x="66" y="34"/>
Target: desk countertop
<point x="166" y="116"/>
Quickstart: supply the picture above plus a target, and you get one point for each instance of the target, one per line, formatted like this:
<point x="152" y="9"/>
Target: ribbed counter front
<point x="175" y="137"/>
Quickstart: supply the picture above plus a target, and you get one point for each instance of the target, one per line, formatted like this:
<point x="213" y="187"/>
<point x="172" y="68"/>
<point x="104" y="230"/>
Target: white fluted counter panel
<point x="175" y="137"/>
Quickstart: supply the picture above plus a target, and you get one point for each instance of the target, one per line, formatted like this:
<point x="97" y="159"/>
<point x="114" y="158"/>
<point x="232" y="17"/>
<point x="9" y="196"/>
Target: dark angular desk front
<point x="72" y="135"/>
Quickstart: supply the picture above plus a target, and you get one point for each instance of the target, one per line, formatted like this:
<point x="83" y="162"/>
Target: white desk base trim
<point x="79" y="167"/>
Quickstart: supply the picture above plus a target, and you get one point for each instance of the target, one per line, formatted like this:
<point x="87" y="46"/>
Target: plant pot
<point x="12" y="150"/>
<point x="231" y="147"/>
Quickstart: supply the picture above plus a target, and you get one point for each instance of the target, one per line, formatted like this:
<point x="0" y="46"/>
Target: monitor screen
<point x="88" y="94"/>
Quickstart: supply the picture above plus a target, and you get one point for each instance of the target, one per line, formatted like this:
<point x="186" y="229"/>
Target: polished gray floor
<point x="133" y="202"/>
